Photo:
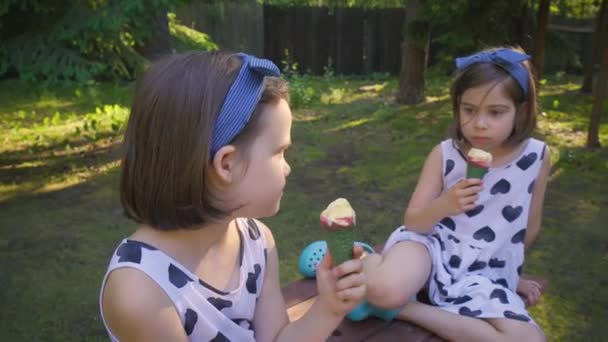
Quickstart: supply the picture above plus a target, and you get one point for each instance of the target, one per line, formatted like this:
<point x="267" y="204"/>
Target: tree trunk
<point x="414" y="55"/>
<point x="600" y="97"/>
<point x="538" y="54"/>
<point x="596" y="53"/>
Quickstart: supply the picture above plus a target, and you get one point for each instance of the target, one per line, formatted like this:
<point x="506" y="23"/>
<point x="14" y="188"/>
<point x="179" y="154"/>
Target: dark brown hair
<point x="165" y="174"/>
<point x="484" y="73"/>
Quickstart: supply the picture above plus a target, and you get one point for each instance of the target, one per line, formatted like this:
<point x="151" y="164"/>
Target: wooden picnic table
<point x="300" y="294"/>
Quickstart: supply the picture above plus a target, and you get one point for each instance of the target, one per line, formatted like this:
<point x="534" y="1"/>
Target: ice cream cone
<point x="338" y="223"/>
<point x="478" y="163"/>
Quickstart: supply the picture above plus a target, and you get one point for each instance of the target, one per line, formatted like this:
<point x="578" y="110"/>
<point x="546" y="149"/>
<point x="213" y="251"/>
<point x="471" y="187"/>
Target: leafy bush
<point x="62" y="40"/>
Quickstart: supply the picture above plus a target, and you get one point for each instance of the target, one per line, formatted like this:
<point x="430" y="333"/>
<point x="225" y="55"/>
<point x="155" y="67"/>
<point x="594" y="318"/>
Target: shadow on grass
<point x="54" y="249"/>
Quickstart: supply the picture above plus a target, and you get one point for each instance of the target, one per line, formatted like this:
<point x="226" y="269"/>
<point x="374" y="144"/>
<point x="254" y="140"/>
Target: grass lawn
<point x="60" y="218"/>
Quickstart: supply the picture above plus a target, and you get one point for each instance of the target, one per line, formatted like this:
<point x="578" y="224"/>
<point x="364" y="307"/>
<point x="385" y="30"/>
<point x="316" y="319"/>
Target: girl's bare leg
<point x="394" y="277"/>
<point x="454" y="327"/>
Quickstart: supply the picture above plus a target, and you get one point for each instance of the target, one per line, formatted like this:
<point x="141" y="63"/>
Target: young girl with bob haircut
<point x="464" y="239"/>
<point x="204" y="157"/>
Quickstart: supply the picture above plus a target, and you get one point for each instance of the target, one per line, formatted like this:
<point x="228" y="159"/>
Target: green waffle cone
<point x="474" y="171"/>
<point x="340" y="244"/>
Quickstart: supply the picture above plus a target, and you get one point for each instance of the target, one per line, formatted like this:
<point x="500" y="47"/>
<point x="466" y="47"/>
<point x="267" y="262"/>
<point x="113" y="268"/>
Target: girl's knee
<point x="526" y="332"/>
<point x="517" y="331"/>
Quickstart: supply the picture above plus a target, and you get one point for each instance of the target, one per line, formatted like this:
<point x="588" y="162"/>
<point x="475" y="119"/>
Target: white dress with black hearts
<point x="207" y="314"/>
<point x="477" y="256"/>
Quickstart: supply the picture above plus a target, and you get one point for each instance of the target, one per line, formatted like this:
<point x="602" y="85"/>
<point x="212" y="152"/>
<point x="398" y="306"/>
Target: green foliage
<point x="300" y="92"/>
<point x="466" y="26"/>
<point x="577" y="9"/>
<point x="64" y="40"/>
<point x="185" y="38"/>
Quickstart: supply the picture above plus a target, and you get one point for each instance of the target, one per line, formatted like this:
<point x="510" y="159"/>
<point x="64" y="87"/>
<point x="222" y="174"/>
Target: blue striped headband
<point x="508" y="59"/>
<point x="241" y="100"/>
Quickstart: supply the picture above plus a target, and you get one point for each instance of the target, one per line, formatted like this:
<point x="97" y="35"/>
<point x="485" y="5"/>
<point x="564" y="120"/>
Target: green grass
<point x="60" y="218"/>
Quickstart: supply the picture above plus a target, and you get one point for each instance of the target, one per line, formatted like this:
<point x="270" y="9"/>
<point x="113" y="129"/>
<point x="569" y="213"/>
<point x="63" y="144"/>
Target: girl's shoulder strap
<point x="537" y="146"/>
<point x="451" y="150"/>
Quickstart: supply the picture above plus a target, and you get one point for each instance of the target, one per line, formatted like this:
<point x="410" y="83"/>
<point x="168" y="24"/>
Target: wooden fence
<point x="350" y="40"/>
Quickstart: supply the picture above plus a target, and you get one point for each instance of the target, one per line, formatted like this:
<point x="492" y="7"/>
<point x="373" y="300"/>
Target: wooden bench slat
<point x="404" y="331"/>
<point x="299" y="291"/>
<point x="349" y="331"/>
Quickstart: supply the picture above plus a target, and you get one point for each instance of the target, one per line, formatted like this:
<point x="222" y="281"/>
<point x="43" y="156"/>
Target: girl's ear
<point x="224" y="163"/>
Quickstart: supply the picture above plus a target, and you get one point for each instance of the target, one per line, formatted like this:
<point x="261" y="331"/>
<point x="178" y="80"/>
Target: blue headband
<point x="508" y="59"/>
<point x="241" y="100"/>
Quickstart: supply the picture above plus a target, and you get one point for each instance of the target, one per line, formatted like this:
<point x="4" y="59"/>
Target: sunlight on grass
<point x="55" y="182"/>
<point x="66" y="129"/>
<point x="558" y="89"/>
<point x="350" y="124"/>
<point x="79" y="176"/>
<point x="305" y="115"/>
<point x="26" y="164"/>
<point x="432" y="99"/>
<point x="555" y="315"/>
<point x="378" y="87"/>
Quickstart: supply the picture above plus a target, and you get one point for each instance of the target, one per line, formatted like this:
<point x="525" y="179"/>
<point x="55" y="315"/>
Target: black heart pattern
<point x="501" y="295"/>
<point x="129" y="252"/>
<point x="448" y="223"/>
<point x="497" y="263"/>
<point x="190" y="321"/>
<point x="452" y="237"/>
<point x="177" y="277"/>
<point x="243" y="323"/>
<point x="219" y="338"/>
<point x="531" y="186"/>
<point x="501" y="187"/>
<point x="501" y="282"/>
<point x="441" y="244"/>
<point x="462" y="300"/>
<point x="449" y="166"/>
<point x="465" y="311"/>
<point x="440" y="286"/>
<point x="252" y="228"/>
<point x="455" y="261"/>
<point x="486" y="233"/>
<point x="520" y="236"/>
<point x="526" y="161"/>
<point x="447" y="271"/>
<point x="219" y="303"/>
<point x="511" y="213"/>
<point x="252" y="278"/>
<point x="519" y="317"/>
<point x="477" y="265"/>
<point x="142" y="244"/>
<point x="475" y="211"/>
